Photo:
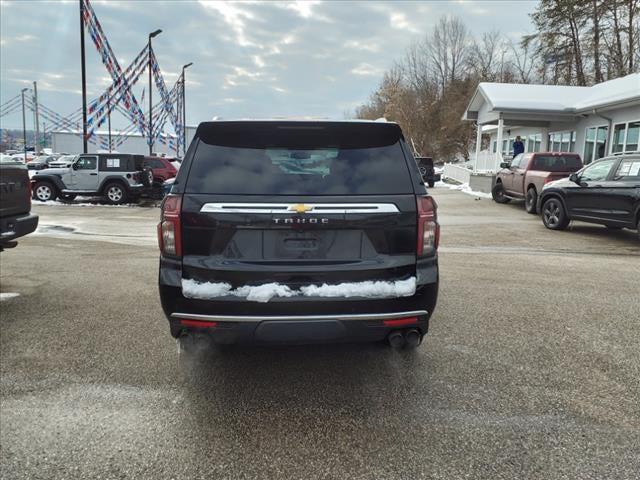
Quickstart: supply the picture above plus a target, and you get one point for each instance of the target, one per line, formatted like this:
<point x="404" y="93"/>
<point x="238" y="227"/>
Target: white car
<point x="64" y="161"/>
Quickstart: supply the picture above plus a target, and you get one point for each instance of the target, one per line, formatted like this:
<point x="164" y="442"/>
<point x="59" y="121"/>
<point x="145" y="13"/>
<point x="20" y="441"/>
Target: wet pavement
<point x="530" y="369"/>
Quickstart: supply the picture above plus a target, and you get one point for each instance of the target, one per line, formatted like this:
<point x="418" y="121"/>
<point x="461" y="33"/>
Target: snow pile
<point x="264" y="293"/>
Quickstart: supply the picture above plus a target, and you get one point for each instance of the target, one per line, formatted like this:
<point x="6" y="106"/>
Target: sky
<point x="251" y="59"/>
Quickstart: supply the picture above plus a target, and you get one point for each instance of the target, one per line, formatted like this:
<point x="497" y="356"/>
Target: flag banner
<point x="109" y="60"/>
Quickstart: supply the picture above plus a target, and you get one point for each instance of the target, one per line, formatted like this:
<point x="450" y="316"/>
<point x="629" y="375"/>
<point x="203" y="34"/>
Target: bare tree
<point x="524" y="59"/>
<point x="447" y="50"/>
<point x="485" y="53"/>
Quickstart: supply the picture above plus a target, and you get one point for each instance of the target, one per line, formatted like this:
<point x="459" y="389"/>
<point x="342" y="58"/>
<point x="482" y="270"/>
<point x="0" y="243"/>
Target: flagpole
<point x="84" y="80"/>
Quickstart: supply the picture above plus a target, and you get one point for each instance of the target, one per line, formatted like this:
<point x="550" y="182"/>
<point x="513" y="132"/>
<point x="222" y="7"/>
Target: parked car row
<point x="119" y="178"/>
<point x="606" y="192"/>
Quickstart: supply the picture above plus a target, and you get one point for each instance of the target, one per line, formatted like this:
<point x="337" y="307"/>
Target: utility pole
<point x="184" y="111"/>
<point x="84" y="80"/>
<point x="109" y="119"/>
<point x="36" y="116"/>
<point x="151" y="35"/>
<point x="24" y="126"/>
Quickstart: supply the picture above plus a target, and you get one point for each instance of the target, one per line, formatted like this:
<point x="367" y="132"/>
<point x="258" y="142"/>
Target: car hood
<point x="54" y="171"/>
<point x="562" y="182"/>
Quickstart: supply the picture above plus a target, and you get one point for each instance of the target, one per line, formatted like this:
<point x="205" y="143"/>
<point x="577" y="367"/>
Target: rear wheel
<point x="115" y="193"/>
<point x="554" y="216"/>
<point x="431" y="183"/>
<point x="497" y="192"/>
<point x="530" y="200"/>
<point x="146" y="177"/>
<point x="44" y="191"/>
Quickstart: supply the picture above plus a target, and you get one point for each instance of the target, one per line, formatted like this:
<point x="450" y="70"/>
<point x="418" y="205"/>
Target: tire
<point x="554" y="215"/>
<point x="146" y="177"/>
<point x="44" y="191"/>
<point x="431" y="183"/>
<point x="497" y="192"/>
<point x="115" y="193"/>
<point x="530" y="201"/>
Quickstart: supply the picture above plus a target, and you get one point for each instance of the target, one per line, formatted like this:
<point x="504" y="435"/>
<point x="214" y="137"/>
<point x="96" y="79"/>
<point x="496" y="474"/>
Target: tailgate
<point x="15" y="193"/>
<point x="298" y="240"/>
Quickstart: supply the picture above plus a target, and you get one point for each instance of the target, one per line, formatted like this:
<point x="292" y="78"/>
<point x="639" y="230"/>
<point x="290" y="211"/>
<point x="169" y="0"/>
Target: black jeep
<point x="299" y="232"/>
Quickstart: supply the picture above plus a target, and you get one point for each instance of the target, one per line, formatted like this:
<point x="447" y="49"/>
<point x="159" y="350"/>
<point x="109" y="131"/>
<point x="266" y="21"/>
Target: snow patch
<point x="369" y="289"/>
<point x="464" y="188"/>
<point x="264" y="293"/>
<point x="7" y="296"/>
<point x="56" y="203"/>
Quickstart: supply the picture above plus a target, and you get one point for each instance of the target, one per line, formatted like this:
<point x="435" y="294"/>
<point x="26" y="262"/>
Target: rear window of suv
<point x="557" y="163"/>
<point x="300" y="160"/>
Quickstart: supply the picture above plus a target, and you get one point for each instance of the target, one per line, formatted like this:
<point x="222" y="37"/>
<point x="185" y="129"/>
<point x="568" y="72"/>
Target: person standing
<point x="518" y="146"/>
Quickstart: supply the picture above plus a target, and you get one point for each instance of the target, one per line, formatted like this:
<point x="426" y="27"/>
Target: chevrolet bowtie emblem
<point x="300" y="208"/>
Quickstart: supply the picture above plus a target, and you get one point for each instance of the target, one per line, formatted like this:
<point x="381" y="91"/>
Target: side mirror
<point x="575" y="178"/>
<point x="505" y="165"/>
<point x="74" y="166"/>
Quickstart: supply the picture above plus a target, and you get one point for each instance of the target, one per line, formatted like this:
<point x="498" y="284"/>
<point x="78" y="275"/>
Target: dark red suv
<point x="162" y="169"/>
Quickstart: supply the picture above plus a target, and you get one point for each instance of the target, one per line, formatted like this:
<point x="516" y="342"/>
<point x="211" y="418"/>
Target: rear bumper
<point x="297" y="329"/>
<point x="18" y="226"/>
<point x="298" y="319"/>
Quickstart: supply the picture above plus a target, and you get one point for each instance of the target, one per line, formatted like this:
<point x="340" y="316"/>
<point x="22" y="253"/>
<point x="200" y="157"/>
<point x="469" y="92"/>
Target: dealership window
<point x="562" y="141"/>
<point x="625" y="137"/>
<point x="595" y="143"/>
<point x="534" y="143"/>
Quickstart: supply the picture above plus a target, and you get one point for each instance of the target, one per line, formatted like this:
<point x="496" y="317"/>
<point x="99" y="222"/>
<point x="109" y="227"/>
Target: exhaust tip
<point x="413" y="338"/>
<point x="396" y="340"/>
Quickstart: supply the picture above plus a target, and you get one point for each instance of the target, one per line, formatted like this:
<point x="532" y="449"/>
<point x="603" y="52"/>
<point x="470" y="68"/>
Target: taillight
<point x="428" y="226"/>
<point x="400" y="322"/>
<point x="169" y="228"/>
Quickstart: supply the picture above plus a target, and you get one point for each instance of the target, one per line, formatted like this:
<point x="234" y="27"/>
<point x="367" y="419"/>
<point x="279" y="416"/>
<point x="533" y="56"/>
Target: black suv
<point x="298" y="232"/>
<point x="428" y="172"/>
<point x="605" y="192"/>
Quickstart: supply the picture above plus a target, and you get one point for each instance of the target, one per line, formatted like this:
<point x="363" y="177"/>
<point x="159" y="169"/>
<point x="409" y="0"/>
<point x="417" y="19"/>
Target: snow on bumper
<point x="264" y="293"/>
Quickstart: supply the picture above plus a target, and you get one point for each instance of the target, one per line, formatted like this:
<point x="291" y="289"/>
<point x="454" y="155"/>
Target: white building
<point x="592" y="121"/>
<point x="71" y="142"/>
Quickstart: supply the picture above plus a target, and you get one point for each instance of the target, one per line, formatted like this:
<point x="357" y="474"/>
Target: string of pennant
<point x="118" y="96"/>
<point x="111" y="64"/>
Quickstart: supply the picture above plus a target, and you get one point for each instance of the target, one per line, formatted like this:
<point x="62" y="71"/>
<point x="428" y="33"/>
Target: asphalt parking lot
<point x="531" y="368"/>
